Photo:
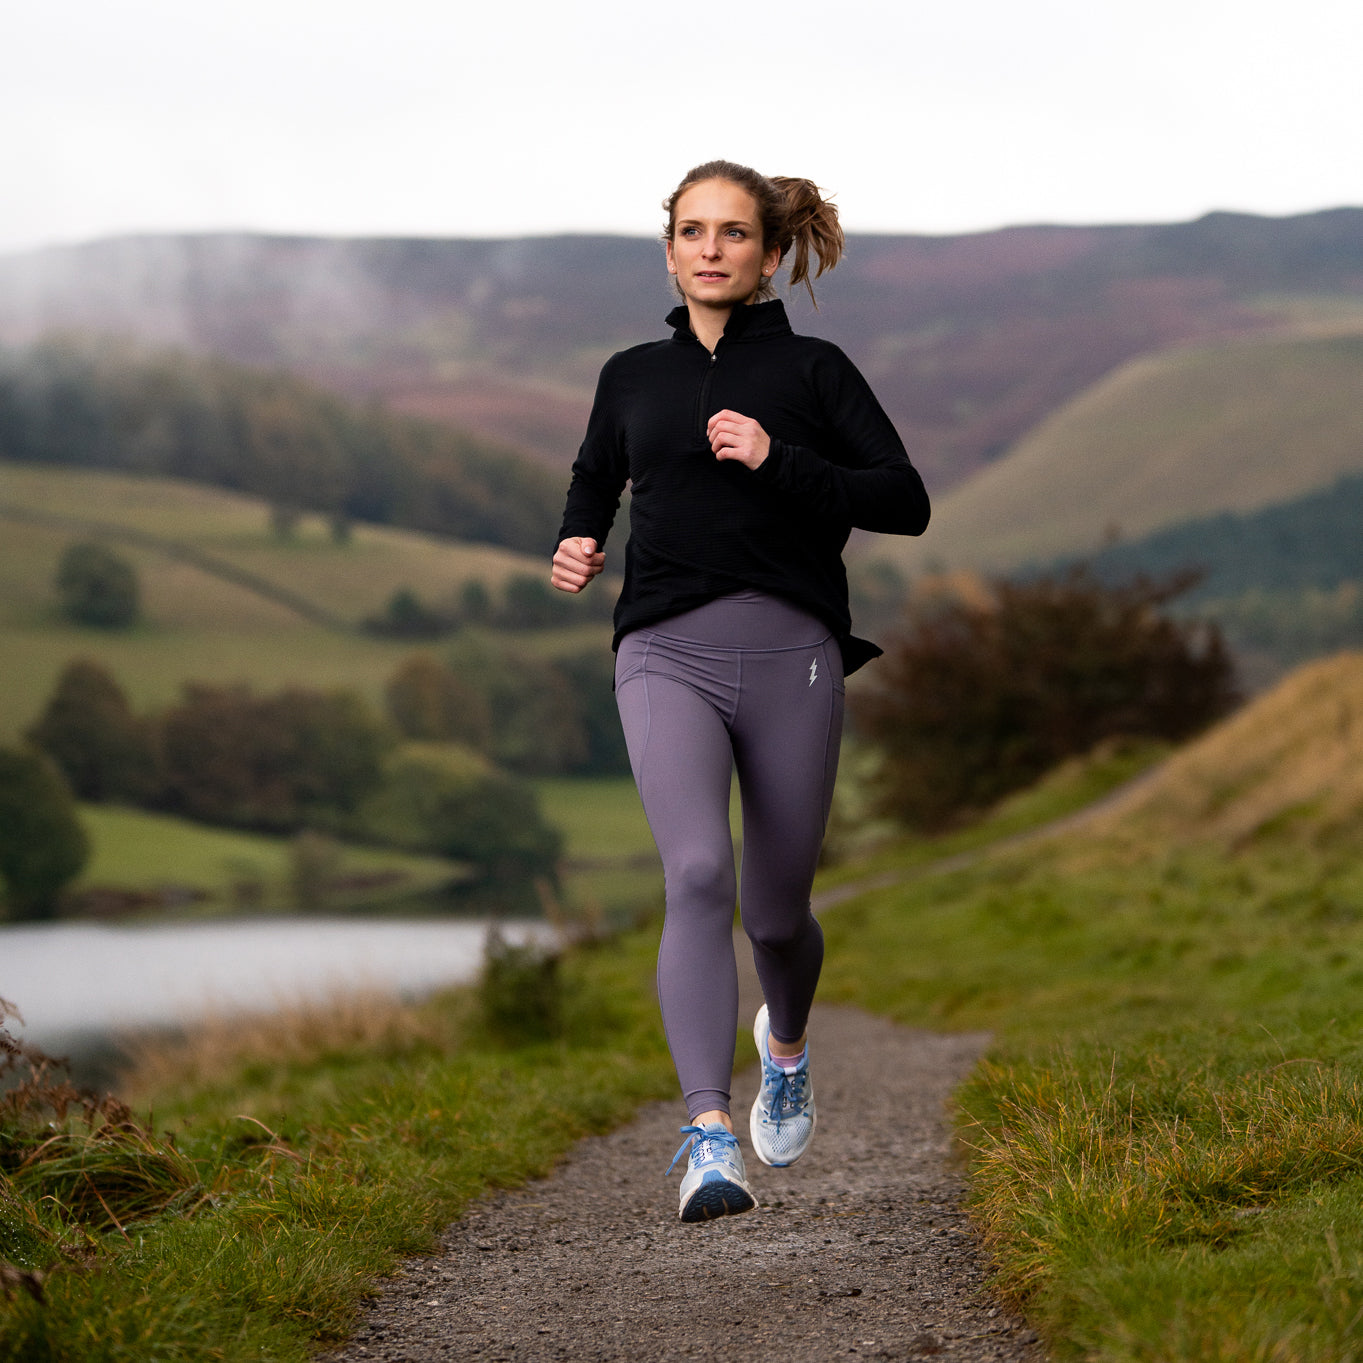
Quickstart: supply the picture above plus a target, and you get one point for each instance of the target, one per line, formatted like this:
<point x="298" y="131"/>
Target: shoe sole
<point x="717" y="1199"/>
<point x="755" y="1115"/>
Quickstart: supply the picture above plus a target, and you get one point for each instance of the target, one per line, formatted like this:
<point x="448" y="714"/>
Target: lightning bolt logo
<point x="813" y="671"/>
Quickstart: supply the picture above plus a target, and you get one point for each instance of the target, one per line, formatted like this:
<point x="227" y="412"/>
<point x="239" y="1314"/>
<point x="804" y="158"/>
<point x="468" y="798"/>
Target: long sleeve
<point x="600" y="470"/>
<point x="863" y="478"/>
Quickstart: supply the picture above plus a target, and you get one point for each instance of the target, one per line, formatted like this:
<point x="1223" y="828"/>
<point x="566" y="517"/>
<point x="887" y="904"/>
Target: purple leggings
<point x="753" y="684"/>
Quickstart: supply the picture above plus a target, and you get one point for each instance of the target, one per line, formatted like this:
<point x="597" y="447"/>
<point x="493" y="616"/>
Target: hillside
<point x="116" y="404"/>
<point x="1289" y="765"/>
<point x="969" y="340"/>
<point x="1167" y="438"/>
<point x="200" y="622"/>
<point x="1311" y="542"/>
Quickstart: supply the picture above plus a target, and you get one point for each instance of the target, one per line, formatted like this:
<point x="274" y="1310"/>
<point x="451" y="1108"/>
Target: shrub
<point x="521" y="991"/>
<point x="278" y="762"/>
<point x="976" y="699"/>
<point x="484" y="817"/>
<point x="408" y="617"/>
<point x="427" y="700"/>
<point x="97" y="587"/>
<point x="42" y="844"/>
<point x="89" y="730"/>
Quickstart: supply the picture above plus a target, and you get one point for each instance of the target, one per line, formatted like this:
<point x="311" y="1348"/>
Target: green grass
<point x="1074" y="786"/>
<point x="600" y="817"/>
<point x="353" y="580"/>
<point x="1168" y="1136"/>
<point x="312" y="1172"/>
<point x="1165" y="438"/>
<point x="134" y="850"/>
<point x="199" y="626"/>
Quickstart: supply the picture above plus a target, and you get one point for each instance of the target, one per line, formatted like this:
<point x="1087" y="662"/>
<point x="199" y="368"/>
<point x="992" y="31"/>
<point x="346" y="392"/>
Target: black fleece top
<point x="702" y="527"/>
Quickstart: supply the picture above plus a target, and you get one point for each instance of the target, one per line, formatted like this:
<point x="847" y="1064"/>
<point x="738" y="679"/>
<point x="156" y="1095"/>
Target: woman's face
<point x="716" y="250"/>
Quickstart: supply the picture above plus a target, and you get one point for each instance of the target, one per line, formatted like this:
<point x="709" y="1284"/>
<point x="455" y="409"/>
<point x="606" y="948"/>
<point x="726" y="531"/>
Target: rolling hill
<point x="117" y="404"/>
<point x="969" y="340"/>
<point x="1165" y="439"/>
<point x="1287" y="766"/>
<point x="217" y="588"/>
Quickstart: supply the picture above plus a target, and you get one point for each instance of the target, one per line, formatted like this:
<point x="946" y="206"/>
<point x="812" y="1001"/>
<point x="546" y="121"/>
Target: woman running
<point x="751" y="453"/>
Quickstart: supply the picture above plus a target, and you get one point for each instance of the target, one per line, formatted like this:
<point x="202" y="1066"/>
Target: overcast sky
<point x="510" y="117"/>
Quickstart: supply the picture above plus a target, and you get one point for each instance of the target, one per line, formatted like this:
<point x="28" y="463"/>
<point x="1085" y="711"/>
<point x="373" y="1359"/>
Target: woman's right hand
<point x="576" y="561"/>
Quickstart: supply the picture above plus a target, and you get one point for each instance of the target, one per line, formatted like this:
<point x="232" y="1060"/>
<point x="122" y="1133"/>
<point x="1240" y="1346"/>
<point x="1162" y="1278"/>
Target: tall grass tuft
<point x="521" y="991"/>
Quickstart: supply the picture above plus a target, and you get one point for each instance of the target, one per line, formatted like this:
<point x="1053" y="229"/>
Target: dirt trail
<point x="860" y="1251"/>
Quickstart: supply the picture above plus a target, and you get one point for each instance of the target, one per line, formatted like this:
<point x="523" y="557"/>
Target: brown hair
<point x="793" y="213"/>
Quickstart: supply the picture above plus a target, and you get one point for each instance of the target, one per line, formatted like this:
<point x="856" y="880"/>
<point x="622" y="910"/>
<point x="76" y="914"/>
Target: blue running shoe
<point x="782" y="1122"/>
<point x="715" y="1183"/>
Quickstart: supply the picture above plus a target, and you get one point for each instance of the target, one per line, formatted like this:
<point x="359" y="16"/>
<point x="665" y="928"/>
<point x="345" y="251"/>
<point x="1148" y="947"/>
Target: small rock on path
<point x="861" y="1251"/>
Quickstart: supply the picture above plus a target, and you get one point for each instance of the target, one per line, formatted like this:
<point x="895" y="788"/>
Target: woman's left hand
<point x="734" y="436"/>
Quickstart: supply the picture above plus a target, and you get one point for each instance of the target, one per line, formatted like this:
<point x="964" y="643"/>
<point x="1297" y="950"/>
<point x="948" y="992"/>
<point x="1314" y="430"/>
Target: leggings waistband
<point x="744" y="620"/>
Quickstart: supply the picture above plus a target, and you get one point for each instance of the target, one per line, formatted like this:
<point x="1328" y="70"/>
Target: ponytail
<point x="793" y="213"/>
<point x="812" y="224"/>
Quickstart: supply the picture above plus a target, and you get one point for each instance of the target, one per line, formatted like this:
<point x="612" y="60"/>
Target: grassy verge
<point x="309" y="1156"/>
<point x="1167" y="1142"/>
<point x="1074" y="786"/>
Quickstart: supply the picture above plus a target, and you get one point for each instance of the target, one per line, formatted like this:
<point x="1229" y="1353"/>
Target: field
<point x="198" y="624"/>
<point x="1165" y="438"/>
<point x="216" y="870"/>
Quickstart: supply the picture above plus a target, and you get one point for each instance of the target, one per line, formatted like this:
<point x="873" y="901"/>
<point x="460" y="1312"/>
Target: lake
<point x="74" y="982"/>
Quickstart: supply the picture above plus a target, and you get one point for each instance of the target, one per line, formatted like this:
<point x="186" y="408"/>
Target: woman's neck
<point x="707" y="324"/>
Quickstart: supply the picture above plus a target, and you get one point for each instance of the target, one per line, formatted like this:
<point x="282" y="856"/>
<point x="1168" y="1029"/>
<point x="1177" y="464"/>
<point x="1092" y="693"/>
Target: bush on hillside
<point x="407" y="616"/>
<point x="976" y="699"/>
<point x="484" y="817"/>
<point x="536" y="714"/>
<point x="429" y="701"/>
<point x="42" y="844"/>
<point x="88" y="728"/>
<point x="97" y="587"/>
<point x="277" y="763"/>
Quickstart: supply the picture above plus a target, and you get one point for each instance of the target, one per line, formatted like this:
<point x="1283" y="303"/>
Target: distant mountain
<point x="969" y="340"/>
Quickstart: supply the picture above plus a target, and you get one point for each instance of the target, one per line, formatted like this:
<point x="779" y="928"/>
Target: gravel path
<point x="861" y="1251"/>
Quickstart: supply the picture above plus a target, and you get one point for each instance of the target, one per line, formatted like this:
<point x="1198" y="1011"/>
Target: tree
<point x="97" y="587"/>
<point x="89" y="730"/>
<point x="427" y="700"/>
<point x="529" y="602"/>
<point x="484" y="817"/>
<point x="283" y="762"/>
<point x="978" y="698"/>
<point x="42" y="844"/>
<point x="408" y="617"/>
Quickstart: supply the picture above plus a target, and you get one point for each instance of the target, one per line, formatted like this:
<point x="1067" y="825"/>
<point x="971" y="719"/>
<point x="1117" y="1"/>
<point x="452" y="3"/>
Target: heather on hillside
<point x="970" y="340"/>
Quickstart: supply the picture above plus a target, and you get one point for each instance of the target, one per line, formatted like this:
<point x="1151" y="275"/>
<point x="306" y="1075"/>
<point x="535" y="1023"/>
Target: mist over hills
<point x="969" y="340"/>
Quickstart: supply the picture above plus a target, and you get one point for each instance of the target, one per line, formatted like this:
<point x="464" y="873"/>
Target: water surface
<point x="80" y="979"/>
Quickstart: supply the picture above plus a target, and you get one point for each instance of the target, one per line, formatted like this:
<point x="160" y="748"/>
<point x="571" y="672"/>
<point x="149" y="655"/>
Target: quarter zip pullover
<point x="701" y="528"/>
